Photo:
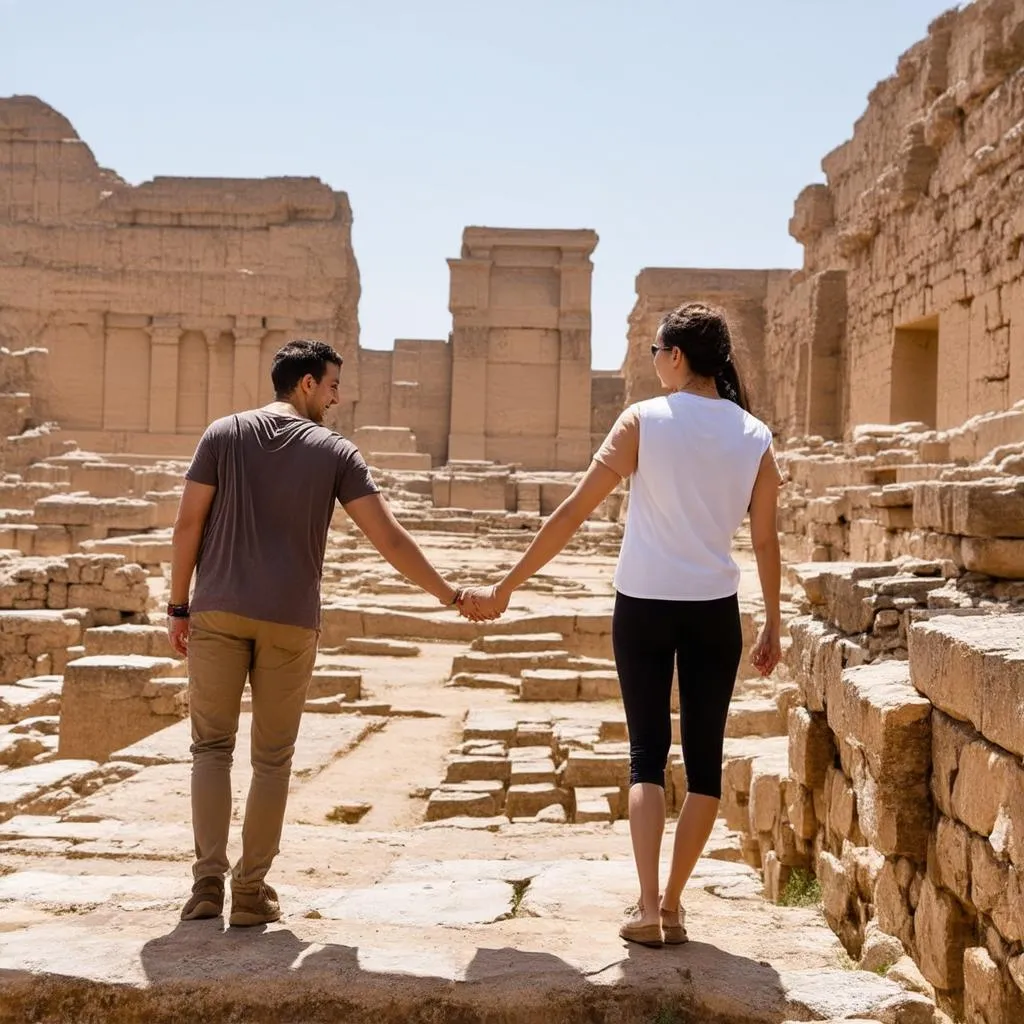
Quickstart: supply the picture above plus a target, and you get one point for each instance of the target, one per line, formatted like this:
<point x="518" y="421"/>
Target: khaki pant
<point x="224" y="649"/>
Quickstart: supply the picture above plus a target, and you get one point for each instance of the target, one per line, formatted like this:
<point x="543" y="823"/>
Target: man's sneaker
<point x="252" y="908"/>
<point x="207" y="899"/>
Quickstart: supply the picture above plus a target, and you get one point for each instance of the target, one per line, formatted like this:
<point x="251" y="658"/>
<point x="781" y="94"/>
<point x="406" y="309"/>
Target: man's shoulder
<point x="222" y="425"/>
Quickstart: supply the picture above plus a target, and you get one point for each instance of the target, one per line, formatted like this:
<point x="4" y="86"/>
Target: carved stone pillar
<point x="164" y="336"/>
<point x="246" y="388"/>
<point x="572" y="440"/>
<point x="468" y="440"/>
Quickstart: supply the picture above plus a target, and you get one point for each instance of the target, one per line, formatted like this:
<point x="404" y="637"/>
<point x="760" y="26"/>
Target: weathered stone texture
<point x="162" y="304"/>
<point x="521" y="378"/>
<point x="919" y="218"/>
<point x="739" y="293"/>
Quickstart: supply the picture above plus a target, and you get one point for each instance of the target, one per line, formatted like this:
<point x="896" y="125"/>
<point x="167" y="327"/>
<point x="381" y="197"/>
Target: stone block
<point x="949" y="860"/>
<point x="986" y="777"/>
<point x="765" y="796"/>
<point x="525" y="773"/>
<point x="990" y="994"/>
<point x="949" y="739"/>
<point x="836" y="890"/>
<point x="517" y="643"/>
<point x="468" y="767"/>
<point x="877" y="707"/>
<point x="587" y="769"/>
<point x="455" y="803"/>
<point x="597" y="803"/>
<point x="942" y="931"/>
<point x="548" y="684"/>
<point x="344" y="683"/>
<point x="525" y="801"/>
<point x="811" y="747"/>
<point x="997" y="557"/>
<point x="892" y="905"/>
<point x="485" y="725"/>
<point x="799" y="807"/>
<point x="599" y="685"/>
<point x="110" y="702"/>
<point x="997" y="889"/>
<point x="972" y="668"/>
<point x="754" y="716"/>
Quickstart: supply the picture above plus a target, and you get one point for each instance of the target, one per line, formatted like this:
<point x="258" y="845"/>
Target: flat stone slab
<point x="445" y="938"/>
<point x="161" y="790"/>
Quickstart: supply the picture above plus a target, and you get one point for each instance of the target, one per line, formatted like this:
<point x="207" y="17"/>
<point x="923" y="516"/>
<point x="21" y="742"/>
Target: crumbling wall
<point x="740" y="294"/>
<point x="901" y="787"/>
<point x="920" y="212"/>
<point x="161" y="304"/>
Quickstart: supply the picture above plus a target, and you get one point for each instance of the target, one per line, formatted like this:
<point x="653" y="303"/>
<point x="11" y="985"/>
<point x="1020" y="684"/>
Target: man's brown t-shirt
<point x="277" y="478"/>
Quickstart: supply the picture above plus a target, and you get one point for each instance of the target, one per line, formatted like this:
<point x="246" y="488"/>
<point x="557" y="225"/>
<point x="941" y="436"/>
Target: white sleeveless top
<point x="696" y="466"/>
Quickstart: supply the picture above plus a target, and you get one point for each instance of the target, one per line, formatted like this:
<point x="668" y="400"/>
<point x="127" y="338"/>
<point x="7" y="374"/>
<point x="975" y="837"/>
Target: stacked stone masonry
<point x="901" y="781"/>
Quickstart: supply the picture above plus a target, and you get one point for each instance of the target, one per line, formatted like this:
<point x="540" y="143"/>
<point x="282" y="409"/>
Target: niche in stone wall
<point x="77" y="372"/>
<point x="126" y="375"/>
<point x="193" y="376"/>
<point x="915" y="372"/>
<point x="221" y="353"/>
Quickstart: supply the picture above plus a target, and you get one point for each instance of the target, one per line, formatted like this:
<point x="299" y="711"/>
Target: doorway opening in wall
<point x="915" y="372"/>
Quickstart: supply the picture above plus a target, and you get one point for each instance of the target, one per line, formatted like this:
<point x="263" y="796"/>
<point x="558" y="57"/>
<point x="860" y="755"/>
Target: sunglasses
<point x="655" y="349"/>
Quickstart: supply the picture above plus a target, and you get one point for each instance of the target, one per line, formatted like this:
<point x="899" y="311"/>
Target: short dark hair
<point x="701" y="333"/>
<point x="296" y="359"/>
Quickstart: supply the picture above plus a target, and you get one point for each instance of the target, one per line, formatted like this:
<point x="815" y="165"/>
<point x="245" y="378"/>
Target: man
<point x="253" y="522"/>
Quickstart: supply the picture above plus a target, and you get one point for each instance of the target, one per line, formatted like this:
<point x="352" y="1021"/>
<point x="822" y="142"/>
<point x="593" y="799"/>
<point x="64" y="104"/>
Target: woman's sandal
<point x="643" y="934"/>
<point x="673" y="924"/>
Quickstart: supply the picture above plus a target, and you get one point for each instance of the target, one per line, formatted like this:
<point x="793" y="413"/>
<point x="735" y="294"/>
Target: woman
<point x="698" y="462"/>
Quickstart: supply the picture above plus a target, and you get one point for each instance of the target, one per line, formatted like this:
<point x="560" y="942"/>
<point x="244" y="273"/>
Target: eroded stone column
<point x="467" y="439"/>
<point x="164" y="336"/>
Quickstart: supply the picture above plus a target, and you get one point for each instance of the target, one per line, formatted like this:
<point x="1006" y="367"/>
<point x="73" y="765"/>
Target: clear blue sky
<point x="680" y="131"/>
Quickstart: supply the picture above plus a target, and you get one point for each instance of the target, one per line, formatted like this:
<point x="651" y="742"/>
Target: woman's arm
<point x="764" y="537"/>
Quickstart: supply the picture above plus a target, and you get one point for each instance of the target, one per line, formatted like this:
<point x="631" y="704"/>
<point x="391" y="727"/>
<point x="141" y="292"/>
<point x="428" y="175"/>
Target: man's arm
<point x="193" y="511"/>
<point x="373" y="516"/>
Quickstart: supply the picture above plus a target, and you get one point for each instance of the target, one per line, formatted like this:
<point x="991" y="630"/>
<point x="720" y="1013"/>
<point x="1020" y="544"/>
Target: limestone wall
<point x="740" y="293"/>
<point x="910" y="303"/>
<point x="901" y="787"/>
<point x="956" y="495"/>
<point x="162" y="304"/>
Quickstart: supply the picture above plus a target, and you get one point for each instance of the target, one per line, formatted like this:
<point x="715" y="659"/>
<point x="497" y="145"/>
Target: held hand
<point x="482" y="604"/>
<point x="177" y="634"/>
<point x="767" y="652"/>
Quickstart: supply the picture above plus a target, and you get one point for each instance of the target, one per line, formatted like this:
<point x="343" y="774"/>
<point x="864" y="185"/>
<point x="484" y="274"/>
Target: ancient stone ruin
<point x="456" y="845"/>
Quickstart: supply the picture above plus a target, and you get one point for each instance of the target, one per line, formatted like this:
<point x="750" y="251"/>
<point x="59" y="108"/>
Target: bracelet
<point x="178" y="611"/>
<point x="457" y="598"/>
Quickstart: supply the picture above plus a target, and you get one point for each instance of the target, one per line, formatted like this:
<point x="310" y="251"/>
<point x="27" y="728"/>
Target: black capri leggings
<point x="705" y="639"/>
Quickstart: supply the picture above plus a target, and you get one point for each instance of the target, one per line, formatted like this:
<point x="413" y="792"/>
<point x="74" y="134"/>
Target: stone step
<point x="336" y="682"/>
<point x="509" y="663"/>
<point x="516" y="643"/>
<point x="597" y="803"/>
<point x="440" y="916"/>
<point x="30" y="698"/>
<point x="471" y="799"/>
<point x="48" y="787"/>
<point x="377" y="646"/>
<point x="20" y="747"/>
<point x="485" y="681"/>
